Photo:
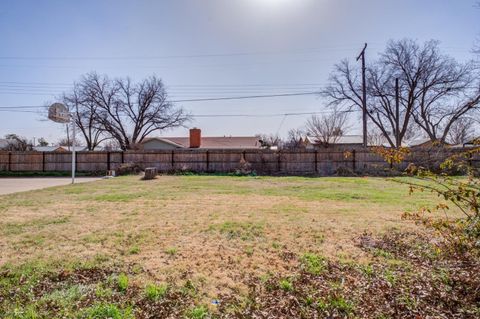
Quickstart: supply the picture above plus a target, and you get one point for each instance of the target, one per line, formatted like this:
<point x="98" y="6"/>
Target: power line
<point x="194" y="100"/>
<point x="245" y="97"/>
<point x="18" y="111"/>
<point x="194" y="64"/>
<point x="178" y="93"/>
<point x="345" y="47"/>
<point x="268" y="115"/>
<point x="22" y="107"/>
<point x="171" y="85"/>
<point x="185" y="56"/>
<point x="225" y="115"/>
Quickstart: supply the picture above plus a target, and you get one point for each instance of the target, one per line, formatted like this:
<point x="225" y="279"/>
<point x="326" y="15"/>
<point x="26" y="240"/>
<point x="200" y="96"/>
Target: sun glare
<point x="274" y="2"/>
<point x="279" y="4"/>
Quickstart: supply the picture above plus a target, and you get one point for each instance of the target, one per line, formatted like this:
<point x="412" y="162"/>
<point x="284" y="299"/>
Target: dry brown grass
<point x="216" y="231"/>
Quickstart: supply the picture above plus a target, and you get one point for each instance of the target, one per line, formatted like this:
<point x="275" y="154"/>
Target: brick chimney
<point x="195" y="137"/>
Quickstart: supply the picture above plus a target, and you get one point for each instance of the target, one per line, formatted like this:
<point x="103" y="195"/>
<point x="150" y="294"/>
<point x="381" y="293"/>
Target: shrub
<point x="128" y="169"/>
<point x="244" y="168"/>
<point x="156" y="292"/>
<point x="200" y="312"/>
<point x="344" y="171"/>
<point x="461" y="235"/>
<point x="172" y="251"/>
<point x="134" y="250"/>
<point x="107" y="311"/>
<point x="122" y="282"/>
<point x="337" y="304"/>
<point x="286" y="284"/>
<point x="243" y="230"/>
<point x="341" y="305"/>
<point x="313" y="264"/>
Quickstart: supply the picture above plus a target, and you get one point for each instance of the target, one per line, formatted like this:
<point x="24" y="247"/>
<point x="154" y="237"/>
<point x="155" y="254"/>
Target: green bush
<point x="107" y="311"/>
<point x="286" y="284"/>
<point x="313" y="264"/>
<point x="122" y="282"/>
<point x="200" y="312"/>
<point x="156" y="292"/>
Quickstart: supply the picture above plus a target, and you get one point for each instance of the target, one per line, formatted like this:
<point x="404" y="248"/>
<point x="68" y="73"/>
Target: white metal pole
<point x="73" y="151"/>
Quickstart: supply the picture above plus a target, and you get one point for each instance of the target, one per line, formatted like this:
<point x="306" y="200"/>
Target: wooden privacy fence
<point x="321" y="162"/>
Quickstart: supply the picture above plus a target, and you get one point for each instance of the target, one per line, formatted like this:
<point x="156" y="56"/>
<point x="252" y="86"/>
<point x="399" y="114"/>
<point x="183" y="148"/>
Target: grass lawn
<point x="202" y="246"/>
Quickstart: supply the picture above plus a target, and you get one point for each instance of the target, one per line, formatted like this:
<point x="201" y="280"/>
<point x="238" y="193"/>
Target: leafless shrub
<point x="328" y="128"/>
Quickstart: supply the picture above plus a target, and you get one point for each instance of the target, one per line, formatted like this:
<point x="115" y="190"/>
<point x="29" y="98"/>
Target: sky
<point x="209" y="49"/>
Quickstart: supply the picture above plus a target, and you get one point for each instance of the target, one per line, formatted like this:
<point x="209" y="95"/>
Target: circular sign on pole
<point x="57" y="112"/>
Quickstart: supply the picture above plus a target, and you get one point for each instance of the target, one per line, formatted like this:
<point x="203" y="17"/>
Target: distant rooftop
<point x="214" y="142"/>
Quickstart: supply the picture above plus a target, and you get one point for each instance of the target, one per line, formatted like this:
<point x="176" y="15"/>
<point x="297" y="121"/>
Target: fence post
<point x="354" y="153"/>
<point x="173" y="159"/>
<point x="208" y="160"/>
<point x="316" y="161"/>
<point x="122" y="157"/>
<point x="279" y="161"/>
<point x="108" y="161"/>
<point x="9" y="161"/>
<point x="43" y="161"/>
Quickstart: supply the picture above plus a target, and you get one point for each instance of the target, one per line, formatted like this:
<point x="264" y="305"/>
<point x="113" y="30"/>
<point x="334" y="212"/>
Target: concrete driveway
<point x="21" y="184"/>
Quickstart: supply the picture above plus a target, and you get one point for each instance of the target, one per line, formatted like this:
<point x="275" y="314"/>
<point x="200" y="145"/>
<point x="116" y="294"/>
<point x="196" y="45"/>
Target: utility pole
<point x="397" y="114"/>
<point x="364" y="98"/>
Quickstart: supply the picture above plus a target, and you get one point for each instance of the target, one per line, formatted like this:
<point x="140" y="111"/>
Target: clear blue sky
<point x="261" y="47"/>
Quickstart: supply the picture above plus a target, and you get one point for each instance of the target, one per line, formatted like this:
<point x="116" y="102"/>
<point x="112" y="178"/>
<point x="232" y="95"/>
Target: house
<point x="424" y="142"/>
<point x="51" y="148"/>
<point x="356" y="141"/>
<point x="475" y="142"/>
<point x="342" y="142"/>
<point x="196" y="141"/>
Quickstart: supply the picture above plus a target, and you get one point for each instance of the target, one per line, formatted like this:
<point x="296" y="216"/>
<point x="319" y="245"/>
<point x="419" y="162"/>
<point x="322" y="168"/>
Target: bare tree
<point x="42" y="142"/>
<point x="295" y="139"/>
<point x="111" y="145"/>
<point x="434" y="90"/>
<point x="375" y="137"/>
<point x="462" y="131"/>
<point x="440" y="89"/>
<point x="327" y="128"/>
<point x="17" y="143"/>
<point x="85" y="115"/>
<point x="129" y="112"/>
<point x="345" y="90"/>
<point x="269" y="140"/>
<point x="67" y="141"/>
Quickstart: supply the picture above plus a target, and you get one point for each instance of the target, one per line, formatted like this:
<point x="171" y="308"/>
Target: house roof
<point x="220" y="142"/>
<point x="417" y="141"/>
<point x="49" y="148"/>
<point x="345" y="139"/>
<point x="423" y="142"/>
<point x="473" y="141"/>
<point x="358" y="139"/>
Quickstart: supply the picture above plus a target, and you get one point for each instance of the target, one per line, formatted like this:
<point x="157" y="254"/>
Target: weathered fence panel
<point x="223" y="160"/>
<point x="24" y="161"/>
<point x="4" y="161"/>
<point x="305" y="162"/>
<point x="57" y="162"/>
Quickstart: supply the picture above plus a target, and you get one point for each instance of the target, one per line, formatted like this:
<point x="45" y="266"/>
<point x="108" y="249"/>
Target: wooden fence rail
<point x="319" y="162"/>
